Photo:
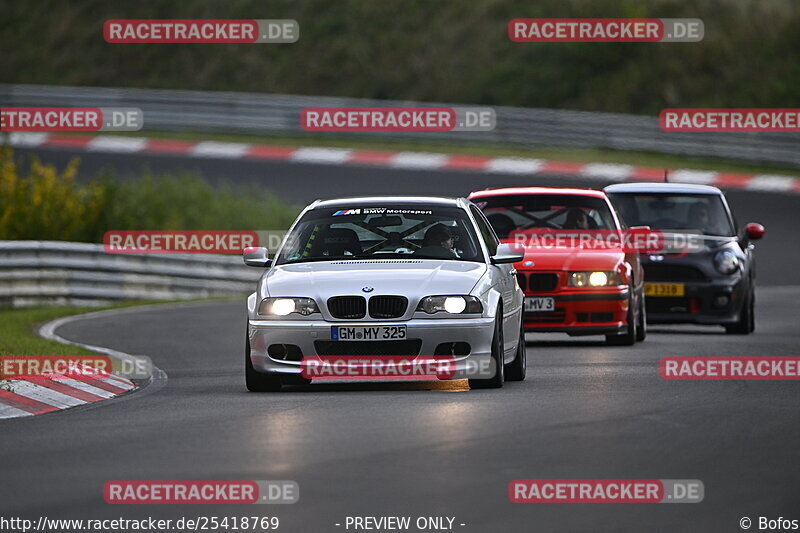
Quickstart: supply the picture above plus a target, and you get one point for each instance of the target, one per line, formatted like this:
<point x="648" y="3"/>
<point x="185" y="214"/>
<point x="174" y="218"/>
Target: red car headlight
<point x="597" y="278"/>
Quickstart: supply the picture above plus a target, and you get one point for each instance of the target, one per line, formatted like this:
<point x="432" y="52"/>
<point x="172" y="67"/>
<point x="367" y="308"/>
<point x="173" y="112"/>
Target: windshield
<point x="382" y="232"/>
<point x="680" y="213"/>
<point x="510" y="213"/>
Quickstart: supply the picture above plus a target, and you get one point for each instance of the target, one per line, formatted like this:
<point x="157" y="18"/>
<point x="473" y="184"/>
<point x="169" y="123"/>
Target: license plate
<point x="540" y="304"/>
<point x="367" y="333"/>
<point x="664" y="289"/>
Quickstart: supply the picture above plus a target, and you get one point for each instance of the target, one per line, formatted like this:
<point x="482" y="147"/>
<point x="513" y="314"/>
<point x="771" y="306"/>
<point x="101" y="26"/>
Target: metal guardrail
<point x="272" y="114"/>
<point x="34" y="273"/>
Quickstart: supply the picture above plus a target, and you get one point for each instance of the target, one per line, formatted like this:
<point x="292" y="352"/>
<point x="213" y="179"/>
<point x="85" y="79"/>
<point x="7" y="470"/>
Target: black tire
<point x="641" y="326"/>
<point x="496" y="381"/>
<point x="747" y="317"/>
<point x="628" y="338"/>
<point x="258" y="381"/>
<point x="516" y="369"/>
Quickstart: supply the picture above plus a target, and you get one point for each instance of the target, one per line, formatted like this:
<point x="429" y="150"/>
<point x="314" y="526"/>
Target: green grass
<point x="18" y="328"/>
<point x="18" y="331"/>
<point x="557" y="154"/>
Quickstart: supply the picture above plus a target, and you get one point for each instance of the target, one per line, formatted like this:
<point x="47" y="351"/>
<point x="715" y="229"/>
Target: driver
<point x="438" y="242"/>
<point x="577" y="219"/>
<point x="699" y="218"/>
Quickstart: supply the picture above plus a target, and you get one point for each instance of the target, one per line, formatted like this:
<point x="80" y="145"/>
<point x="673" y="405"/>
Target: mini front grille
<point x="662" y="272"/>
<point x="350" y="307"/>
<point x="542" y="282"/>
<point x="387" y="306"/>
<point x="669" y="305"/>
<point x="404" y="347"/>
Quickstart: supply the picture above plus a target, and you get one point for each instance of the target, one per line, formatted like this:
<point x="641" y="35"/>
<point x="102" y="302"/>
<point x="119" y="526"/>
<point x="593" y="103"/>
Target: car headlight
<point x="287" y="306"/>
<point x="726" y="262"/>
<point x="594" y="279"/>
<point x="455" y="305"/>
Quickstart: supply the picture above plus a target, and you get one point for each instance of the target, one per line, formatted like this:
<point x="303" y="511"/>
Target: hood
<point x="676" y="243"/>
<point x="406" y="277"/>
<point x="571" y="259"/>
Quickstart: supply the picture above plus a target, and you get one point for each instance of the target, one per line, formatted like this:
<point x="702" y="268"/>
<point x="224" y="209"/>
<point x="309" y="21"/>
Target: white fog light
<point x="455" y="304"/>
<point x="283" y="307"/>
<point x="598" y="279"/>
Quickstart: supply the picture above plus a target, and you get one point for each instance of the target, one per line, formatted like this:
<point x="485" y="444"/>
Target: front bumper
<point x="582" y="312"/>
<point x="699" y="305"/>
<point x="304" y="334"/>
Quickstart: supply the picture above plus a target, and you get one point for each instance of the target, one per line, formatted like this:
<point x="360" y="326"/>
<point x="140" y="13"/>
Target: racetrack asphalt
<point x="586" y="411"/>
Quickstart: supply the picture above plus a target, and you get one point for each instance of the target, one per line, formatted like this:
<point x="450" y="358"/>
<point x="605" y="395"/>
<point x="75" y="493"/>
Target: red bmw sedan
<point x="581" y="275"/>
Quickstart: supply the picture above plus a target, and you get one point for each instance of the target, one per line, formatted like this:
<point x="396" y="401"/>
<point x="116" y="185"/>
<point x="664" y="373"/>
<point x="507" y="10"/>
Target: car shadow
<point x="565" y="342"/>
<point x="687" y="330"/>
<point x="456" y="385"/>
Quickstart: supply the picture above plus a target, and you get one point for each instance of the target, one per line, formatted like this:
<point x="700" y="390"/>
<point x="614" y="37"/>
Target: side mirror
<point x="508" y="253"/>
<point x="257" y="256"/>
<point x="754" y="231"/>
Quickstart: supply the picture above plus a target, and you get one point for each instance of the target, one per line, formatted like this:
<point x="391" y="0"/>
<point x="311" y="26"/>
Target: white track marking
<point x="6" y="411"/>
<point x="514" y="165"/>
<point x="699" y="177"/>
<point x="220" y="149"/>
<point x="26" y="139"/>
<point x="767" y="182"/>
<point x="415" y="160"/>
<point x="321" y="155"/>
<point x="45" y="395"/>
<point x="116" y="383"/>
<point x="607" y="171"/>
<point x="110" y="143"/>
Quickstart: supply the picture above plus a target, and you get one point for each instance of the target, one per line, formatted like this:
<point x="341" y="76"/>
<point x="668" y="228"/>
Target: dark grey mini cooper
<point x="711" y="283"/>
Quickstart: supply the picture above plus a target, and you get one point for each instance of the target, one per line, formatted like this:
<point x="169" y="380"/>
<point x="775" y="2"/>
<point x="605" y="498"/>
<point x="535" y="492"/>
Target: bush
<point x="43" y="204"/>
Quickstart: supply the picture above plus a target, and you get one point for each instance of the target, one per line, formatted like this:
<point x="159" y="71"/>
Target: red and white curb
<point x="37" y="396"/>
<point x="399" y="160"/>
<point x="28" y="397"/>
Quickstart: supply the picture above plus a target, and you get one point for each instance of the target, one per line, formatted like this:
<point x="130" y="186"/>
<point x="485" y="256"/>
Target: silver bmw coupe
<point x="386" y="277"/>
